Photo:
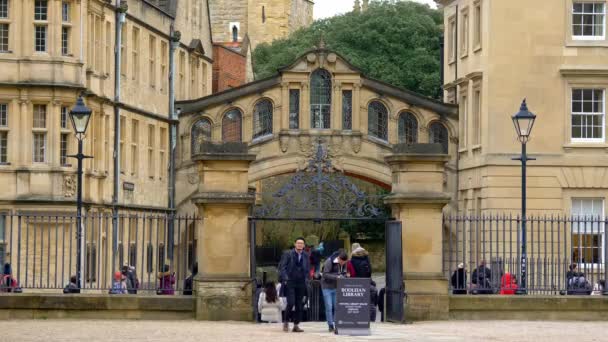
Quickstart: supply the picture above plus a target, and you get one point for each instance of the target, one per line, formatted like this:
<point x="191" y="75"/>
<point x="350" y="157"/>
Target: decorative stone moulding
<point x="284" y="142"/>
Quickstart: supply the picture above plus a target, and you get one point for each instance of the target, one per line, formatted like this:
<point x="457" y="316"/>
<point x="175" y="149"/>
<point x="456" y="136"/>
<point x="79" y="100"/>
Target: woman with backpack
<point x="359" y="265"/>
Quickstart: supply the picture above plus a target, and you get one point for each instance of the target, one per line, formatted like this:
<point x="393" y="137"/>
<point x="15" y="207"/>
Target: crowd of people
<point x="284" y="302"/>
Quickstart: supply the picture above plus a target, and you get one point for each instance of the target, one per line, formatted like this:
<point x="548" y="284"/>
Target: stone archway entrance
<point x="224" y="284"/>
<point x="320" y="193"/>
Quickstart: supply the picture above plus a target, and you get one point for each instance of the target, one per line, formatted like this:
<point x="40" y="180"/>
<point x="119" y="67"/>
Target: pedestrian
<point x="270" y="305"/>
<point x="294" y="268"/>
<point x="333" y="269"/>
<point x="359" y="265"/>
<point x="72" y="287"/>
<point x="189" y="282"/>
<point x="508" y="284"/>
<point x="131" y="279"/>
<point x="482" y="278"/>
<point x="166" y="280"/>
<point x="459" y="280"/>
<point x="8" y="283"/>
<point x="119" y="284"/>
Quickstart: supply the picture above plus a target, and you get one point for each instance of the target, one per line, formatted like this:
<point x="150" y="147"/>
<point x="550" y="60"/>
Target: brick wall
<point x="229" y="68"/>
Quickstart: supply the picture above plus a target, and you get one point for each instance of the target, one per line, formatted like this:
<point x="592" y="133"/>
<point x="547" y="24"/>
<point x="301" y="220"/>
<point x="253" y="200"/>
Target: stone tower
<point x="261" y="21"/>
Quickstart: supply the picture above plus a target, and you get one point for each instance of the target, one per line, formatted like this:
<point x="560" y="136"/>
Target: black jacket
<point x="482" y="276"/>
<point x="459" y="279"/>
<point x="289" y="270"/>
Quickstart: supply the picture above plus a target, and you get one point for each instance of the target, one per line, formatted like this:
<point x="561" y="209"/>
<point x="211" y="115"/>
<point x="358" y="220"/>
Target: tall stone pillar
<point x="417" y="200"/>
<point x="223" y="284"/>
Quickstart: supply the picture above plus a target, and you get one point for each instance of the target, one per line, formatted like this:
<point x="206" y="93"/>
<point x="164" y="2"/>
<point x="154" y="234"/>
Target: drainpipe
<point x="175" y="36"/>
<point x="121" y="13"/>
<point x="442" y="68"/>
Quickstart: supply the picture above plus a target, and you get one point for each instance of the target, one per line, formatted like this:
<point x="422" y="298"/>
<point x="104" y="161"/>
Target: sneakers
<point x="297" y="329"/>
<point x="285" y="326"/>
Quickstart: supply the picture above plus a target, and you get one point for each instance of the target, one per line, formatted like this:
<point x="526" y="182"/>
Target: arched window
<point x="231" y="126"/>
<point x="235" y="34"/>
<point x="377" y="120"/>
<point x="320" y="99"/>
<point x="201" y="131"/>
<point x="262" y="119"/>
<point x="408" y="128"/>
<point x="439" y="135"/>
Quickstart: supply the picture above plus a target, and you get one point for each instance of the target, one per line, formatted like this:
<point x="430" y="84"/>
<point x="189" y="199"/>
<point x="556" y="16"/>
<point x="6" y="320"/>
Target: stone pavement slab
<point x="186" y="331"/>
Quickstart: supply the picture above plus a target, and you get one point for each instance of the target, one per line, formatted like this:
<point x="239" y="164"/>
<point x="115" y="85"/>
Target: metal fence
<point x="40" y="251"/>
<point x="566" y="255"/>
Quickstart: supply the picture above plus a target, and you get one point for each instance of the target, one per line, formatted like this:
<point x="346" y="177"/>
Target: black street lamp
<point x="523" y="122"/>
<point x="79" y="116"/>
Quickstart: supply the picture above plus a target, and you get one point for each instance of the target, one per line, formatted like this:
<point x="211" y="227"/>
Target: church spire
<point x="357" y="7"/>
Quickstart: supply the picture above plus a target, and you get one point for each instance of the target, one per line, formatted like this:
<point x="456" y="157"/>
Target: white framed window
<point x="588" y="231"/>
<point x="151" y="159"/>
<point x="64" y="117"/>
<point x="63" y="149"/>
<point x="4" y="34"/>
<point x="588" y="20"/>
<point x="134" y="147"/>
<point x="39" y="134"/>
<point x="65" y="11"/>
<point x="41" y="10"/>
<point x="452" y="34"/>
<point x="3" y="9"/>
<point x="588" y="115"/>
<point x="40" y="38"/>
<point x="39" y="147"/>
<point x="41" y="25"/>
<point x="3" y="133"/>
<point x="3" y="115"/>
<point x="39" y="116"/>
<point x="65" y="40"/>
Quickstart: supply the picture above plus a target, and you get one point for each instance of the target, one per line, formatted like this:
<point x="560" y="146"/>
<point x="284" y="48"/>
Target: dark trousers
<point x="295" y="293"/>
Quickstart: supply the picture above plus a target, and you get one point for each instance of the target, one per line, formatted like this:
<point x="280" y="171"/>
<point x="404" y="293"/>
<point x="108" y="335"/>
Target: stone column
<point x="417" y="200"/>
<point x="223" y="284"/>
<point x="356" y="107"/>
<point x="305" y="123"/>
<point x="283" y="123"/>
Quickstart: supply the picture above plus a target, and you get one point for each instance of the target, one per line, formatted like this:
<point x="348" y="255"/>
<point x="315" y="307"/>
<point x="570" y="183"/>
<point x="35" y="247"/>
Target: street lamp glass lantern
<point x="80" y="116"/>
<point x="523" y="122"/>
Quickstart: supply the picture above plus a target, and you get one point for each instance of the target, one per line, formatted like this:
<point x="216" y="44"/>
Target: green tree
<point x="397" y="42"/>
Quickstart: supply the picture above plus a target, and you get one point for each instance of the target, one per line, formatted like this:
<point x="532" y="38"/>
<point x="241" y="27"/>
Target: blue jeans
<point x="329" y="297"/>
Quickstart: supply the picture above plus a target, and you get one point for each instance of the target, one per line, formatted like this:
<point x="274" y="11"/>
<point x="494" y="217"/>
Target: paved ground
<point x="184" y="331"/>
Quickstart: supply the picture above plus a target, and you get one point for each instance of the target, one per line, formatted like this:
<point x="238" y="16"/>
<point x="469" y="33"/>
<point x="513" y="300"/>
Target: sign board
<point x="353" y="306"/>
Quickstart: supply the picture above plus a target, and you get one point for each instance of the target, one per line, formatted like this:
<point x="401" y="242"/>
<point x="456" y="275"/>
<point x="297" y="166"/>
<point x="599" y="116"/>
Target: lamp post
<point x="79" y="115"/>
<point x="523" y="122"/>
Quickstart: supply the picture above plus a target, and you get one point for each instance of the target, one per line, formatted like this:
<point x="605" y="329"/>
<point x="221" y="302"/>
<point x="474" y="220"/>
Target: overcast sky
<point x="329" y="8"/>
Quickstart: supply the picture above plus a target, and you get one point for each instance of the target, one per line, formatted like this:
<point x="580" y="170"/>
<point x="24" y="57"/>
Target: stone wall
<point x="224" y="12"/>
<point x="228" y="69"/>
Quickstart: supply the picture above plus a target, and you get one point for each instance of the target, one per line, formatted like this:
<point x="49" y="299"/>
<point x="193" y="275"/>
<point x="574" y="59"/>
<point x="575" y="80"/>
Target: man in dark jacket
<point x="482" y="277"/>
<point x="293" y="270"/>
<point x="332" y="270"/>
<point x="459" y="280"/>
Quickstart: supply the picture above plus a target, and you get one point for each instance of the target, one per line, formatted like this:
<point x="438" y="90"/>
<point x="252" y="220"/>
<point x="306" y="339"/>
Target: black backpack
<point x="362" y="268"/>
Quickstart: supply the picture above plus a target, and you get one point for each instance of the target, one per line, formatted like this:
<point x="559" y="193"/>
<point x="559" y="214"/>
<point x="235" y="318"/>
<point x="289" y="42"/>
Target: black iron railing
<point x="565" y="255"/>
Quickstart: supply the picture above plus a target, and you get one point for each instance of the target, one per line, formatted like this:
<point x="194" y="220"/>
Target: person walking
<point x="270" y="305"/>
<point x="359" y="265"/>
<point x="332" y="271"/>
<point x="294" y="268"/>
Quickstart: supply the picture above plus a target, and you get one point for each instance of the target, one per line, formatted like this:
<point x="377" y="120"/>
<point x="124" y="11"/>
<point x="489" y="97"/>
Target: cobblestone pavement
<point x="183" y="331"/>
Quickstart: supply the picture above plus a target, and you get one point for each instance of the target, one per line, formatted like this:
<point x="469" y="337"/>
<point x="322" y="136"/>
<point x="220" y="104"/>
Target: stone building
<point x="52" y="51"/>
<point x="262" y="21"/>
<point x="558" y="65"/>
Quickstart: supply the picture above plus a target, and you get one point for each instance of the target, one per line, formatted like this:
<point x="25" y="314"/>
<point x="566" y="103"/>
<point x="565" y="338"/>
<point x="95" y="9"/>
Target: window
<point x="476" y="117"/>
<point x="134" y="147"/>
<point x="135" y="53"/>
<point x="262" y="119"/>
<point x="4" y="32"/>
<point x="464" y="120"/>
<point x="162" y="151"/>
<point x="347" y="110"/>
<point x="123" y="153"/>
<point x="587" y="230"/>
<point x="235" y="34"/>
<point x="588" y="115"/>
<point x="151" y="161"/>
<point x="3" y="115"/>
<point x="65" y="40"/>
<point x="39" y="147"/>
<point x="477" y="26"/>
<point x="439" y="135"/>
<point x="3" y="9"/>
<point x="464" y="34"/>
<point x="452" y="39"/>
<point x="3" y="146"/>
<point x="201" y="131"/>
<point x="152" y="61"/>
<point x="588" y="20"/>
<point x="97" y="36"/>
<point x="408" y="128"/>
<point x="194" y="70"/>
<point x="40" y="9"/>
<point x="64" y="117"/>
<point x="163" y="65"/>
<point x="377" y="120"/>
<point x="294" y="108"/>
<point x="40" y="40"/>
<point x="39" y="116"/>
<point x="63" y="149"/>
<point x="231" y="126"/>
<point x="123" y="50"/>
<point x="65" y="12"/>
<point x="320" y="98"/>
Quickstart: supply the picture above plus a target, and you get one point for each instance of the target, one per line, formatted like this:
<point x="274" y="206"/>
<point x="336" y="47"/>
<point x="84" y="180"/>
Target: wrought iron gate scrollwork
<point x="319" y="191"/>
